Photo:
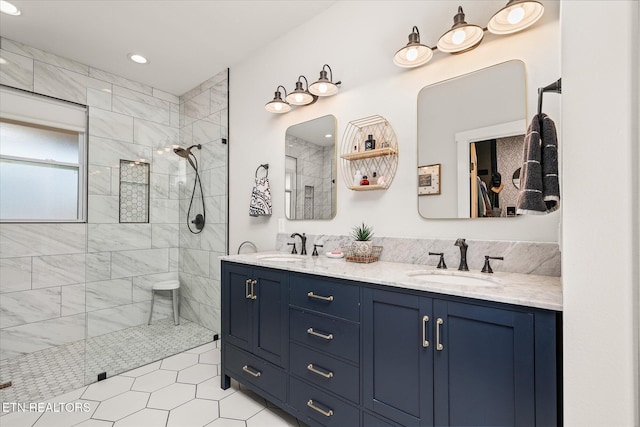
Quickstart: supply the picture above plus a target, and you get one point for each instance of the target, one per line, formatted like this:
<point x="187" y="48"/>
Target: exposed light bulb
<point x="412" y="54"/>
<point x="299" y="97"/>
<point x="458" y="37"/>
<point x="322" y="88"/>
<point x="515" y="15"/>
<point x="277" y="106"/>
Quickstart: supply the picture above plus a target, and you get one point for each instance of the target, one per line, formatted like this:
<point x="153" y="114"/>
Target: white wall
<point x="599" y="263"/>
<point x="358" y="39"/>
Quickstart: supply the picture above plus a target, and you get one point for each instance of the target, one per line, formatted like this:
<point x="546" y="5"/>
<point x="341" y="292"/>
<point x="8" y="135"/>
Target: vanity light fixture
<point x="324" y="86"/>
<point x="278" y="105"/>
<point x="515" y="16"/>
<point x="301" y="96"/>
<point x="414" y="53"/>
<point x="9" y="8"/>
<point x="462" y="37"/>
<point x="137" y="58"/>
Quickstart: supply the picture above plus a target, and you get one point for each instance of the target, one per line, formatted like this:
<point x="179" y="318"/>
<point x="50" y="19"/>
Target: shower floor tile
<point x="41" y="375"/>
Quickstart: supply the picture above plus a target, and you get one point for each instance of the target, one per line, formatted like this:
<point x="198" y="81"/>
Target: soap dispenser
<point x="357" y="177"/>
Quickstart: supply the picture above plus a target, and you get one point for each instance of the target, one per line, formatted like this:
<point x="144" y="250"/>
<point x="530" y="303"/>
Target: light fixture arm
<point x="330" y="74"/>
<point x="306" y="82"/>
<point x="278" y="91"/>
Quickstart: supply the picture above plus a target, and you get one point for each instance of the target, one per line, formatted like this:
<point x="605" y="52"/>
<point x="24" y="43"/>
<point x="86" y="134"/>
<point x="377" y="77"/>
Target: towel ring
<point x="266" y="168"/>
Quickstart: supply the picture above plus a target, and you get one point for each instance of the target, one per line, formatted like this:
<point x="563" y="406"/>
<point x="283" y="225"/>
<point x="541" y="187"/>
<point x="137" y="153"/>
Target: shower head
<point x="186" y="152"/>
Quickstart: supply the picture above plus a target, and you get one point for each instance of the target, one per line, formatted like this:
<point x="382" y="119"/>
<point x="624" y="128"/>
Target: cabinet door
<point x="397" y="357"/>
<point x="270" y="334"/>
<point x="483" y="366"/>
<point x="236" y="305"/>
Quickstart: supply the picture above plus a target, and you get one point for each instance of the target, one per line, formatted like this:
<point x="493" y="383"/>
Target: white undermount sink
<point x="281" y="257"/>
<point x="452" y="278"/>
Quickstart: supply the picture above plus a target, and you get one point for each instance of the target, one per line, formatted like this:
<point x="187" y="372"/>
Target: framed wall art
<point x="429" y="180"/>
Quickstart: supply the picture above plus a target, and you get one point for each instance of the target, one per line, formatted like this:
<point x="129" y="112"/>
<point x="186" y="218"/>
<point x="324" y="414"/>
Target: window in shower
<point x="134" y="191"/>
<point x="42" y="158"/>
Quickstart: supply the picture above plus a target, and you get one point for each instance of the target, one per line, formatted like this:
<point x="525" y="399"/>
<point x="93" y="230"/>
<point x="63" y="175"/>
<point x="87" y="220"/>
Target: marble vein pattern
<point x="113" y="319"/>
<point x="120" y="81"/>
<point x="110" y="125"/>
<point x="103" y="209"/>
<point x="164" y="211"/>
<point x="118" y="237"/>
<point x="72" y="300"/>
<point x="64" y="84"/>
<point x="195" y="108"/>
<point x="139" y="262"/>
<point x="99" y="99"/>
<point x="159" y="186"/>
<point x="140" y="110"/>
<point x="41" y="55"/>
<point x="99" y="178"/>
<point x="98" y="266"/>
<point x="155" y="135"/>
<point x="18" y="240"/>
<point x="142" y="285"/>
<point x="108" y="293"/>
<point x="17" y="71"/>
<point x="133" y="95"/>
<point x="56" y="270"/>
<point x="165" y="235"/>
<point x="15" y="274"/>
<point x="19" y="308"/>
<point x="165" y="96"/>
<point x="195" y="261"/>
<point x="108" y="152"/>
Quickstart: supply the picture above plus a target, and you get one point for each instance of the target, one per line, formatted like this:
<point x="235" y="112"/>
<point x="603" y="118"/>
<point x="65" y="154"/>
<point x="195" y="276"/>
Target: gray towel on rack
<point x="260" y="204"/>
<point x="540" y="187"/>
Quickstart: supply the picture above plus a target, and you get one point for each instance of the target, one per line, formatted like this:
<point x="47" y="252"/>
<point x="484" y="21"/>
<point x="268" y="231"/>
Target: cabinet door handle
<point x="247" y="294"/>
<point x="312" y="405"/>
<point x="251" y="372"/>
<point x="310" y="331"/>
<point x="253" y="290"/>
<point x="315" y="370"/>
<point x="439" y="323"/>
<point x="425" y="320"/>
<point x="320" y="297"/>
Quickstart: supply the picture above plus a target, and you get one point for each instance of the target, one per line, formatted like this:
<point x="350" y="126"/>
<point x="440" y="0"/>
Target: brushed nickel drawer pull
<point x="247" y="294"/>
<point x="425" y="320"/>
<point x="310" y="331"/>
<point x="320" y="297"/>
<point x="253" y="290"/>
<point x="319" y="372"/>
<point x="311" y="405"/>
<point x="439" y="323"/>
<point x="250" y="372"/>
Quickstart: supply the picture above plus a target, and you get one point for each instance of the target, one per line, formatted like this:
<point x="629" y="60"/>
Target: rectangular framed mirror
<point x="310" y="170"/>
<point x="474" y="126"/>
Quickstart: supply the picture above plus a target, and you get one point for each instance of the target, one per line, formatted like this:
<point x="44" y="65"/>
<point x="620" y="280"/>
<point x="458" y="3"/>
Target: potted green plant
<point x="362" y="245"/>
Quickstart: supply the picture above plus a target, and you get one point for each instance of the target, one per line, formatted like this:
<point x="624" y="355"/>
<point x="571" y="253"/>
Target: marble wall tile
<point x="174" y="118"/>
<point x="18" y="240"/>
<point x="15" y="274"/>
<point x="197" y="107"/>
<point x="175" y="182"/>
<point x="64" y="84"/>
<point x="204" y="132"/>
<point x="110" y="125"/>
<point x="190" y="310"/>
<point x="19" y="308"/>
<point x="214" y="155"/>
<point x="215" y="263"/>
<point x="99" y="98"/>
<point x="109" y="152"/>
<point x="174" y="259"/>
<point x="212" y="205"/>
<point x="31" y="337"/>
<point x="116" y="318"/>
<point x="139" y="262"/>
<point x="108" y="293"/>
<point x="219" y="96"/>
<point x="73" y="299"/>
<point x="103" y="209"/>
<point x="118" y="237"/>
<point x="165" y="235"/>
<point x="41" y="55"/>
<point x="210" y="317"/>
<point x="218" y="181"/>
<point x="17" y="71"/>
<point x="164" y="211"/>
<point x="142" y="284"/>
<point x="221" y="77"/>
<point x="57" y="270"/>
<point x="98" y="266"/>
<point x="155" y="135"/>
<point x="141" y="110"/>
<point x="214" y="238"/>
<point x="195" y="262"/>
<point x="159" y="186"/>
<point x="166" y="163"/>
<point x="165" y="96"/>
<point x="120" y="81"/>
<point x="99" y="178"/>
<point x="133" y="95"/>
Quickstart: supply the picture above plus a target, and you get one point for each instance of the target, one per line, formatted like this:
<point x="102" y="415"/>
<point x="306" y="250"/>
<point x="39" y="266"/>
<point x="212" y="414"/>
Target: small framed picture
<point x="429" y="180"/>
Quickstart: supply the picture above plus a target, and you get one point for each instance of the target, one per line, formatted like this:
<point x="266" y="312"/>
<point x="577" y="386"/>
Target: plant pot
<point x="362" y="248"/>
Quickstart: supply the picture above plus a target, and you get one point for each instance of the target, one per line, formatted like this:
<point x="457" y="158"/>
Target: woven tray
<point x="349" y="255"/>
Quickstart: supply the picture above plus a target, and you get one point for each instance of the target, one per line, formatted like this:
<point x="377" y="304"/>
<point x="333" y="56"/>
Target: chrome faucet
<point x="303" y="239"/>
<point x="463" y="254"/>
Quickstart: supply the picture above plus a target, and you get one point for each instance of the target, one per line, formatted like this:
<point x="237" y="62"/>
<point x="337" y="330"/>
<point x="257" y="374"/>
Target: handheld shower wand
<point x="199" y="220"/>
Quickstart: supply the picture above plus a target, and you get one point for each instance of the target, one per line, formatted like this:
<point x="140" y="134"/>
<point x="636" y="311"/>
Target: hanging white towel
<point x="260" y="204"/>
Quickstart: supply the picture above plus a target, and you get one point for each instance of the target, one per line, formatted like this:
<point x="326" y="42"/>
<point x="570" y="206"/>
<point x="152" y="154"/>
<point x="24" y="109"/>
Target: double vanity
<point x="336" y="343"/>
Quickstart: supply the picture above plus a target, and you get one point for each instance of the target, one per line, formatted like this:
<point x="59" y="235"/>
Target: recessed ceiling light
<point x="136" y="57"/>
<point x="328" y="135"/>
<point x="8" y="8"/>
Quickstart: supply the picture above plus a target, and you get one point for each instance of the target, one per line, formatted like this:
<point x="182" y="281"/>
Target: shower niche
<point x="134" y="191"/>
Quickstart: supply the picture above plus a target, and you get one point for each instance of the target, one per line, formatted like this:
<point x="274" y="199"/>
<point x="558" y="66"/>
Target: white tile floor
<point x="179" y="391"/>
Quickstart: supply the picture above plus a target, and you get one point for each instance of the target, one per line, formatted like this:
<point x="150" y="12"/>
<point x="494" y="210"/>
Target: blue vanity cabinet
<point x="255" y="327"/>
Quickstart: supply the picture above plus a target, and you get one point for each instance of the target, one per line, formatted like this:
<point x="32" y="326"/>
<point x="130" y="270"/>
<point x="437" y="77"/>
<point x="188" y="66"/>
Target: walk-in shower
<point x="199" y="219"/>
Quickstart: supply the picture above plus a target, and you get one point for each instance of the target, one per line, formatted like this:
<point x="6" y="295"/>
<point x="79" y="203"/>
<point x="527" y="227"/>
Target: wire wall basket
<point x="351" y="256"/>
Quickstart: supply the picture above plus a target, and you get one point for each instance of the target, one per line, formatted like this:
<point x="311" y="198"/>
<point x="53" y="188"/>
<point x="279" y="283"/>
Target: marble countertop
<point x="512" y="288"/>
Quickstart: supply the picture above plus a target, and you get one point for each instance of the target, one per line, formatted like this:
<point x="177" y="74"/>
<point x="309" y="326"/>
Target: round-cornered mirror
<point x="516" y="178"/>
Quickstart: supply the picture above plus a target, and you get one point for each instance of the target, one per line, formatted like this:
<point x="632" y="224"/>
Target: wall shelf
<point x="383" y="160"/>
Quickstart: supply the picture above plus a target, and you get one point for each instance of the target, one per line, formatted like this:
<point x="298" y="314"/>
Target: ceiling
<point x="186" y="41"/>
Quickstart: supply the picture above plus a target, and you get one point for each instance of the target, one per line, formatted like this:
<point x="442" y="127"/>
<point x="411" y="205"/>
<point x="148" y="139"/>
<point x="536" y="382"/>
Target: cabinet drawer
<point x="321" y="407"/>
<point x="325" y="295"/>
<point x="325" y="371"/>
<point x="337" y="337"/>
<point x="251" y="369"/>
